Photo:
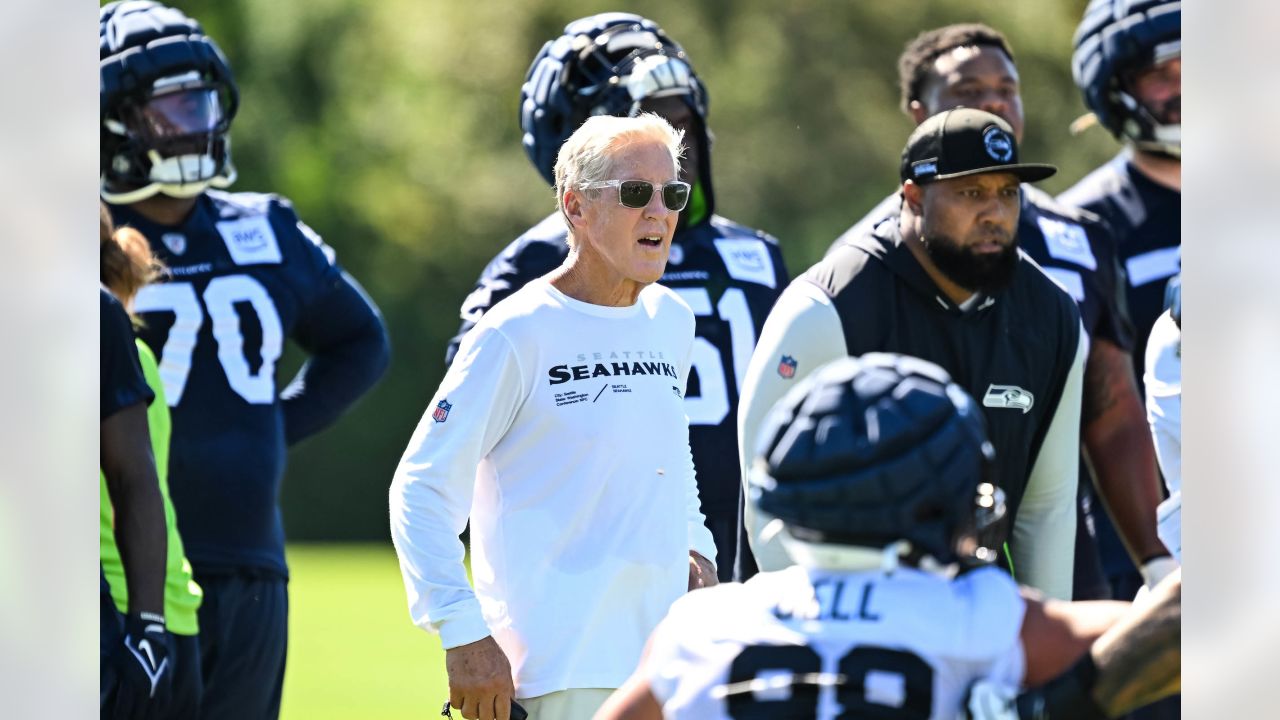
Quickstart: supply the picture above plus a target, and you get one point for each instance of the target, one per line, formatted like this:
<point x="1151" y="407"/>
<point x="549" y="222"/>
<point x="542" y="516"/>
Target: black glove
<point x="143" y="664"/>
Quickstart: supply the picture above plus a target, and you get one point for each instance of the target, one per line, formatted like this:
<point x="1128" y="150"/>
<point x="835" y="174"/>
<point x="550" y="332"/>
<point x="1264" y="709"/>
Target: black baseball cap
<point x="965" y="141"/>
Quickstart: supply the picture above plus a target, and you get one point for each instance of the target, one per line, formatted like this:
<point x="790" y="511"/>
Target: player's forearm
<point x="141" y="537"/>
<point x="1139" y="660"/>
<point x="1119" y="451"/>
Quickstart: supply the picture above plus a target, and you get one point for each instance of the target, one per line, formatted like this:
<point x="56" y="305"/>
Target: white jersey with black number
<point x="803" y="643"/>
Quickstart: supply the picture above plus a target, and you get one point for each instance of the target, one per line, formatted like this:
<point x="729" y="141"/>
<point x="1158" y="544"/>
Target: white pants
<point x="572" y="704"/>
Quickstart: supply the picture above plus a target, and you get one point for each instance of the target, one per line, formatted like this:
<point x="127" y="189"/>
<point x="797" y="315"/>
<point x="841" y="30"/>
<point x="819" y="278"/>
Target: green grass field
<point x="353" y="653"/>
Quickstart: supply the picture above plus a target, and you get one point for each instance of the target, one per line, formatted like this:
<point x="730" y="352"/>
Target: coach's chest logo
<point x="1008" y="396"/>
<point x="250" y="241"/>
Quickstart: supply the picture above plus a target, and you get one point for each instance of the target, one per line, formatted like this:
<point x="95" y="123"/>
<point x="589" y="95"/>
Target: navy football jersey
<point x="121" y="383"/>
<point x="1146" y="220"/>
<point x="243" y="274"/>
<point x="730" y="275"/>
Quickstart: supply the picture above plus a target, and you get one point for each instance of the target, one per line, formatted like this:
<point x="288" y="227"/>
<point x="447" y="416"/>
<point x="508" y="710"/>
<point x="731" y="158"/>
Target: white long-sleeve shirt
<point x="560" y="431"/>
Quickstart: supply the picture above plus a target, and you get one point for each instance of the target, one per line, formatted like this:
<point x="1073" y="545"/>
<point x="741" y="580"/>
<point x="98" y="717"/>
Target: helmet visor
<point x="185" y="112"/>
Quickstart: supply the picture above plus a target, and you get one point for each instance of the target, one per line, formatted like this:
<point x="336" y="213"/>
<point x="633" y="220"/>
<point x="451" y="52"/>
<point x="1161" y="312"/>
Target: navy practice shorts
<point x="244" y="624"/>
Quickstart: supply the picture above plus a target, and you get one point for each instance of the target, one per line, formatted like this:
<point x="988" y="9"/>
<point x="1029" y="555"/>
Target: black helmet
<point x="606" y="64"/>
<point x="1116" y="37"/>
<point x="876" y="450"/>
<point x="167" y="99"/>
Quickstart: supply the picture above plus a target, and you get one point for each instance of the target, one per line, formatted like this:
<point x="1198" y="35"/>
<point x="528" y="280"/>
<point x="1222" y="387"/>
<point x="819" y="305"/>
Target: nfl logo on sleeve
<point x="787" y="367"/>
<point x="441" y="413"/>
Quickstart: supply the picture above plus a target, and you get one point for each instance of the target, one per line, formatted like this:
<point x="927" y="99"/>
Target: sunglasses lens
<point x="675" y="196"/>
<point x="635" y="193"/>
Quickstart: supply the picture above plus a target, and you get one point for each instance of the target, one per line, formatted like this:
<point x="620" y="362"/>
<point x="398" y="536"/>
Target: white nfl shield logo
<point x="176" y="242"/>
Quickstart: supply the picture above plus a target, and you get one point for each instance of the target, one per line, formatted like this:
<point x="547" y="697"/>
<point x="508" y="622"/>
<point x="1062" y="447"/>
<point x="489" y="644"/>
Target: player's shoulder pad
<point x="1046" y="204"/>
<point x="544" y="244"/>
<point x="725" y="228"/>
<point x="1036" y="284"/>
<point x="1108" y="179"/>
<point x="262" y="228"/>
<point x="249" y="204"/>
<point x="993" y="608"/>
<point x="748" y="255"/>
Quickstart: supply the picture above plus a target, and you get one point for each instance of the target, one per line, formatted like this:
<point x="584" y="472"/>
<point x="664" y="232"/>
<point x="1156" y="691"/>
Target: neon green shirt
<point x="182" y="595"/>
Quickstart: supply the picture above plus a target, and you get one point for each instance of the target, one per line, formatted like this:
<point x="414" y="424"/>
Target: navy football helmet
<point x="167" y="98"/>
<point x="1118" y="37"/>
<point x="876" y="451"/>
<point x="605" y="64"/>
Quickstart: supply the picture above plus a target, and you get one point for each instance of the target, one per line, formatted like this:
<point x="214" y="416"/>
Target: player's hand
<point x="989" y="700"/>
<point x="143" y="665"/>
<point x="702" y="573"/>
<point x="480" y="684"/>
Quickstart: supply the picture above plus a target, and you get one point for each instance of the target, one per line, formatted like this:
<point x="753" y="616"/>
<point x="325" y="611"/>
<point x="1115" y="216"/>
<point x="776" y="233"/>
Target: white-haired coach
<point x="560" y="430"/>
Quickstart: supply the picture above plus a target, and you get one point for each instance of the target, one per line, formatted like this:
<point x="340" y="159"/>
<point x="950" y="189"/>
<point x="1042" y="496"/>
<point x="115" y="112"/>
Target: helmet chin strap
<point x="1168" y="141"/>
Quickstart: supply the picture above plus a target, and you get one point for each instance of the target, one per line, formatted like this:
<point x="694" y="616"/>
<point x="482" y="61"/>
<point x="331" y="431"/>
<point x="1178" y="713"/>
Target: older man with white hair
<point x="560" y="430"/>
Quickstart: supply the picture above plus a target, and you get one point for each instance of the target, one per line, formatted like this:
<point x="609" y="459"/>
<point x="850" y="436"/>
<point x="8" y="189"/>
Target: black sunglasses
<point x="636" y="194"/>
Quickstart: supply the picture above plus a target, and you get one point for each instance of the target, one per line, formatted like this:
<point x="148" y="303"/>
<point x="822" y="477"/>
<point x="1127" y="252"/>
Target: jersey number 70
<point x="220" y="298"/>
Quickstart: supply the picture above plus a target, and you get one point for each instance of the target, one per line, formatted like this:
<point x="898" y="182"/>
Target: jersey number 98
<point x="777" y="681"/>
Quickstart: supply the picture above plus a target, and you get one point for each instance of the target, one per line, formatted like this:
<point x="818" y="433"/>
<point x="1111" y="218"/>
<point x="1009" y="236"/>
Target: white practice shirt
<point x="560" y="430"/>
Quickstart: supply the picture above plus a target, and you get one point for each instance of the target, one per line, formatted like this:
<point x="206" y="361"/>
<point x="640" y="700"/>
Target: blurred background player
<point x="972" y="65"/>
<point x="1128" y="63"/>
<point x="623" y="64"/>
<point x="945" y="280"/>
<point x="134" y="649"/>
<point x="126" y="266"/>
<point x="1163" y="379"/>
<point x="244" y="273"/>
<point x="877" y="471"/>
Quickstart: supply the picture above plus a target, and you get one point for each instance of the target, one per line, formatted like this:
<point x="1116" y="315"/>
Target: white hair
<point x="588" y="155"/>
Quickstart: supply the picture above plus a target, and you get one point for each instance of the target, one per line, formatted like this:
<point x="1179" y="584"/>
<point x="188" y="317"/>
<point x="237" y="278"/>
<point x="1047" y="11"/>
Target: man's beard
<point x="969" y="270"/>
<point x="1164" y="112"/>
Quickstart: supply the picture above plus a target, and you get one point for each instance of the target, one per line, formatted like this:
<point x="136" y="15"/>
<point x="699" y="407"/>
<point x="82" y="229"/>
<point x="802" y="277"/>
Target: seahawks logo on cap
<point x="998" y="144"/>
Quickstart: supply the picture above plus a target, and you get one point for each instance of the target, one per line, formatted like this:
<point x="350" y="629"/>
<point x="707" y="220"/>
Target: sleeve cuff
<point x="462" y="630"/>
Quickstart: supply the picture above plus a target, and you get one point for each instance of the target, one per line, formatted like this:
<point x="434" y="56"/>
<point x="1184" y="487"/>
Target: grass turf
<point x="353" y="653"/>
